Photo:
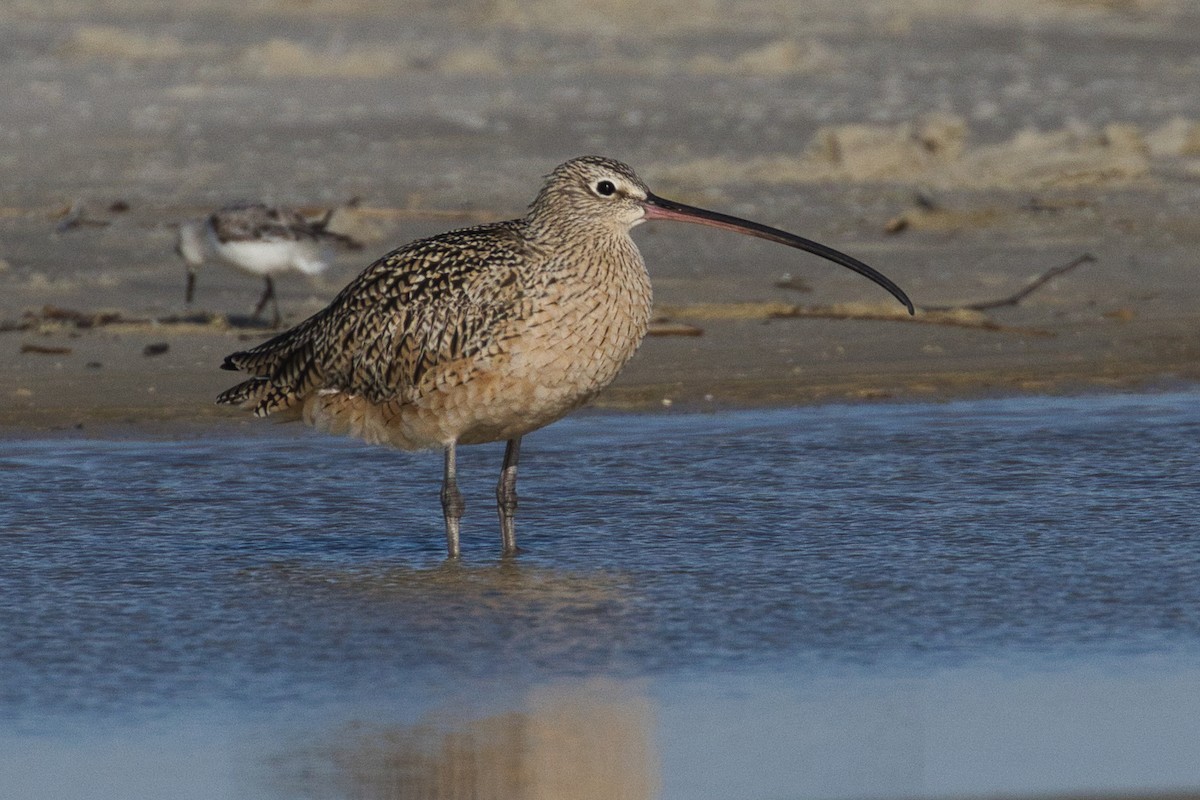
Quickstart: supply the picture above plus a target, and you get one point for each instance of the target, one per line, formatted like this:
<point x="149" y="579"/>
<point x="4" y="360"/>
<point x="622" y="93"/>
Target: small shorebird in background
<point x="259" y="240"/>
<point x="486" y="333"/>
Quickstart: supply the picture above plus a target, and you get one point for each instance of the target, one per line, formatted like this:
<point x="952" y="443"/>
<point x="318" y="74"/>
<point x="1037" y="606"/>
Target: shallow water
<point x="900" y="600"/>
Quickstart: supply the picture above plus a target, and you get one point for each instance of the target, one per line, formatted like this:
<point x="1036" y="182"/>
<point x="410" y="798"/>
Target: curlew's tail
<point x="244" y="394"/>
<point x="283" y="369"/>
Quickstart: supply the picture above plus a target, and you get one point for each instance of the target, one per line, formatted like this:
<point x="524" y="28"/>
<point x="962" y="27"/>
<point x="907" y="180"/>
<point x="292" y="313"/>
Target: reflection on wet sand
<point x="551" y="619"/>
<point x="569" y="742"/>
<point x="496" y="584"/>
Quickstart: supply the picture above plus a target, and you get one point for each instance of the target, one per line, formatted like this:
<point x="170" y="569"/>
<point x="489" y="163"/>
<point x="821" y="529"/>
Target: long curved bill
<point x="661" y="208"/>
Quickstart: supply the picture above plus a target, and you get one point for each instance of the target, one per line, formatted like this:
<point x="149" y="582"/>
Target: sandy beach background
<point x="962" y="147"/>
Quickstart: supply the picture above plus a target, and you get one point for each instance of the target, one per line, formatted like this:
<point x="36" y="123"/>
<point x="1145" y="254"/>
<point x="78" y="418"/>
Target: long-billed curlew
<point x="260" y="240"/>
<point x="486" y="333"/>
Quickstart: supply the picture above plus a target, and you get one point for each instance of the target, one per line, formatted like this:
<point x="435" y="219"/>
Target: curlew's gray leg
<point x="506" y="497"/>
<point x="268" y="294"/>
<point x="452" y="502"/>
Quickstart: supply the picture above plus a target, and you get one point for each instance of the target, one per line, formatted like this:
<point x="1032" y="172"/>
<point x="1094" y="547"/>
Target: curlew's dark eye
<point x="605" y="188"/>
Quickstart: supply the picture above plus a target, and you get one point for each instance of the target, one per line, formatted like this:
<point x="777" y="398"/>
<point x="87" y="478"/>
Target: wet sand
<point x="960" y="150"/>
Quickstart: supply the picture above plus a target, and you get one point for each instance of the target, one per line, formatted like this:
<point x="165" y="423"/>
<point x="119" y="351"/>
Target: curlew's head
<point x="597" y="190"/>
<point x="592" y="190"/>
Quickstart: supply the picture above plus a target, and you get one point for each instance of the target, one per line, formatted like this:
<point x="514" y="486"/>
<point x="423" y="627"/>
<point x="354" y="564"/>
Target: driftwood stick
<point x="1025" y="291"/>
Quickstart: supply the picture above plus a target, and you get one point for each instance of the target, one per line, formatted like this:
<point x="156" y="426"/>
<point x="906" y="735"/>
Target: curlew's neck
<point x="560" y="231"/>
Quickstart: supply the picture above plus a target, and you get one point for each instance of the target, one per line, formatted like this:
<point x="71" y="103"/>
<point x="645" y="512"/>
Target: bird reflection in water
<point x="584" y="741"/>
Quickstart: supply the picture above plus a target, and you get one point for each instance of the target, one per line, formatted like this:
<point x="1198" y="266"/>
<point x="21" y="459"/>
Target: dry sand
<point x="963" y="148"/>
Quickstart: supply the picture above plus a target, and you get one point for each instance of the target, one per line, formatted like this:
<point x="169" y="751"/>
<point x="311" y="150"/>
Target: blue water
<point x="883" y="600"/>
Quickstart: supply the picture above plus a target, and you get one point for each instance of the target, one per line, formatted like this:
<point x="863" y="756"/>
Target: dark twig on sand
<point x="45" y="350"/>
<point x="1025" y="291"/>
